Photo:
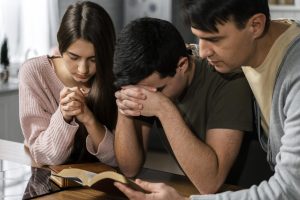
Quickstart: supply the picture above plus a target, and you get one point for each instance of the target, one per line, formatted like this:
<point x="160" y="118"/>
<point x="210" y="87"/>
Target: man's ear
<point x="183" y="64"/>
<point x="257" y="24"/>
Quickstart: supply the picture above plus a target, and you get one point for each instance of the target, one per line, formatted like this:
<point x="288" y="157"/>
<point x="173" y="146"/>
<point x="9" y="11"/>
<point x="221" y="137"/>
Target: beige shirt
<point x="262" y="79"/>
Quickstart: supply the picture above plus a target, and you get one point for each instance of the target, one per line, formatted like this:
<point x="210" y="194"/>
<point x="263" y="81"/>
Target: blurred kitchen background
<point x="30" y="27"/>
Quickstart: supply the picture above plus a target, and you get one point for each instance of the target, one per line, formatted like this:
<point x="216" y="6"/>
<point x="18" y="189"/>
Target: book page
<point x="108" y="174"/>
<point x="83" y="175"/>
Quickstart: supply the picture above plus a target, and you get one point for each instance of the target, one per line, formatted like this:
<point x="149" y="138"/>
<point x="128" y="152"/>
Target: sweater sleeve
<point x="48" y="137"/>
<point x="105" y="151"/>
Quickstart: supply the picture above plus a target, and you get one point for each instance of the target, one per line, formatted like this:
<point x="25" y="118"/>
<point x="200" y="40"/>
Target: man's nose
<point x="205" y="49"/>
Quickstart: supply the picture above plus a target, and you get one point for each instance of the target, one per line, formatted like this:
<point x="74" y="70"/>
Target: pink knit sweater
<point x="48" y="136"/>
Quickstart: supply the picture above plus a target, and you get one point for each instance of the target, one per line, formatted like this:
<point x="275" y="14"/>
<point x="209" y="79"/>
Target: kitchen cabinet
<point x="9" y="113"/>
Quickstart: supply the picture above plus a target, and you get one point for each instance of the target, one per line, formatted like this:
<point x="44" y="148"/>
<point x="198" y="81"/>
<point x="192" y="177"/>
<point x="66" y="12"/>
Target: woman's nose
<point x="82" y="67"/>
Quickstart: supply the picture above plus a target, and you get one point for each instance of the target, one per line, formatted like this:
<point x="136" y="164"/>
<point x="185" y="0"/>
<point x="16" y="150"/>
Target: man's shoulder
<point x="238" y="84"/>
<point x="214" y="82"/>
<point x="290" y="66"/>
<point x="203" y="67"/>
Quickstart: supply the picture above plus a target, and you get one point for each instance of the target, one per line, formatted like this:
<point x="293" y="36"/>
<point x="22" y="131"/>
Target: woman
<point x="66" y="102"/>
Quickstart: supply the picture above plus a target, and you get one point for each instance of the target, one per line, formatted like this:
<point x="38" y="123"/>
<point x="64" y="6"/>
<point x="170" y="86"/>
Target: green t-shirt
<point x="212" y="101"/>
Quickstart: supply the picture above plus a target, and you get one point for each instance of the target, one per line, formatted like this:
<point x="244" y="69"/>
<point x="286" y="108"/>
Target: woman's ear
<point x="183" y="64"/>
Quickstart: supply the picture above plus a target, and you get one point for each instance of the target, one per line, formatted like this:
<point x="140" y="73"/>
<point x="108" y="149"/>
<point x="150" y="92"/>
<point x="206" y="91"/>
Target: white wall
<point x="286" y="11"/>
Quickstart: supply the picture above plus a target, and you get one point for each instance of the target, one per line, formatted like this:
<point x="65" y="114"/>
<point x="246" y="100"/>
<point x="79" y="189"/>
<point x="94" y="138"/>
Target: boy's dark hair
<point x="206" y="14"/>
<point x="145" y="46"/>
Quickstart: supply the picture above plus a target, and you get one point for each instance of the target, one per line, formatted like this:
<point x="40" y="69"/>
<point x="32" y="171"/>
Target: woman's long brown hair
<point x="89" y="21"/>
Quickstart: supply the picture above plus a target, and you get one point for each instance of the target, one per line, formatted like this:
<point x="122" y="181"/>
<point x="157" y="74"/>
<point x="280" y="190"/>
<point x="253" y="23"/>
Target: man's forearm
<point x="198" y="160"/>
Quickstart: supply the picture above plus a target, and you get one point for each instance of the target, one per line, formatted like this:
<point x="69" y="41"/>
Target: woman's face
<point x="80" y="60"/>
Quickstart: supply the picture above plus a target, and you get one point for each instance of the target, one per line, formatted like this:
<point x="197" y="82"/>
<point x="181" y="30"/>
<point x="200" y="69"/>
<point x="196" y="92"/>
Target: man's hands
<point x="140" y="100"/>
<point x="157" y="191"/>
<point x="72" y="104"/>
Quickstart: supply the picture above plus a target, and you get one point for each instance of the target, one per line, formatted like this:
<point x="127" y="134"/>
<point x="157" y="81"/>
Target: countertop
<point x="11" y="86"/>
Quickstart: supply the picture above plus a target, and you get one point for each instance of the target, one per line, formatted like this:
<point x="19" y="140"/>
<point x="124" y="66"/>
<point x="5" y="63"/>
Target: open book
<point x="95" y="175"/>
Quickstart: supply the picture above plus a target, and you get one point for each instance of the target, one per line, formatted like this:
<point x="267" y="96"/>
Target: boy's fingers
<point x="149" y="88"/>
<point x="136" y="87"/>
<point x="136" y="93"/>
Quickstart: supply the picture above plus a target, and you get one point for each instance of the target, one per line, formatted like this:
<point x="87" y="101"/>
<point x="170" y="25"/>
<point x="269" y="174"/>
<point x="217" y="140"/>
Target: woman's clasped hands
<point x="73" y="104"/>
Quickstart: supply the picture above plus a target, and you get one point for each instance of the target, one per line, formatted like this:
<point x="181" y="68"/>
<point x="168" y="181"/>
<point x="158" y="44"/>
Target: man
<point x="269" y="51"/>
<point x="200" y="114"/>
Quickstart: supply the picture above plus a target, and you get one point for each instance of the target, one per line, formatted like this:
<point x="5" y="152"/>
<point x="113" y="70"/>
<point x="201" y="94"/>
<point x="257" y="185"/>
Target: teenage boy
<point x="201" y="115"/>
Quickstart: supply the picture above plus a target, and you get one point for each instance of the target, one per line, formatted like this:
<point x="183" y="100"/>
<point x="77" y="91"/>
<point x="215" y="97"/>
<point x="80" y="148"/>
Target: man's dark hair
<point x="206" y="14"/>
<point x="145" y="46"/>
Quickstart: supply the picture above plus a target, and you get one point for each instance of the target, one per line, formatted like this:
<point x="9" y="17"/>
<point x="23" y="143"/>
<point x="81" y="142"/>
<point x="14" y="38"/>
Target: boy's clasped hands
<point x="136" y="100"/>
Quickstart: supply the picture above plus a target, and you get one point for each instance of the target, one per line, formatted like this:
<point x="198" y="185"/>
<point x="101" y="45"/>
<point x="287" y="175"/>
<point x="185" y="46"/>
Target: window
<point x="30" y="27"/>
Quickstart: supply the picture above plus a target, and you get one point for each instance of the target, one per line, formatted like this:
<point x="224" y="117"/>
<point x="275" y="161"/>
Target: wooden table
<point x="16" y="152"/>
